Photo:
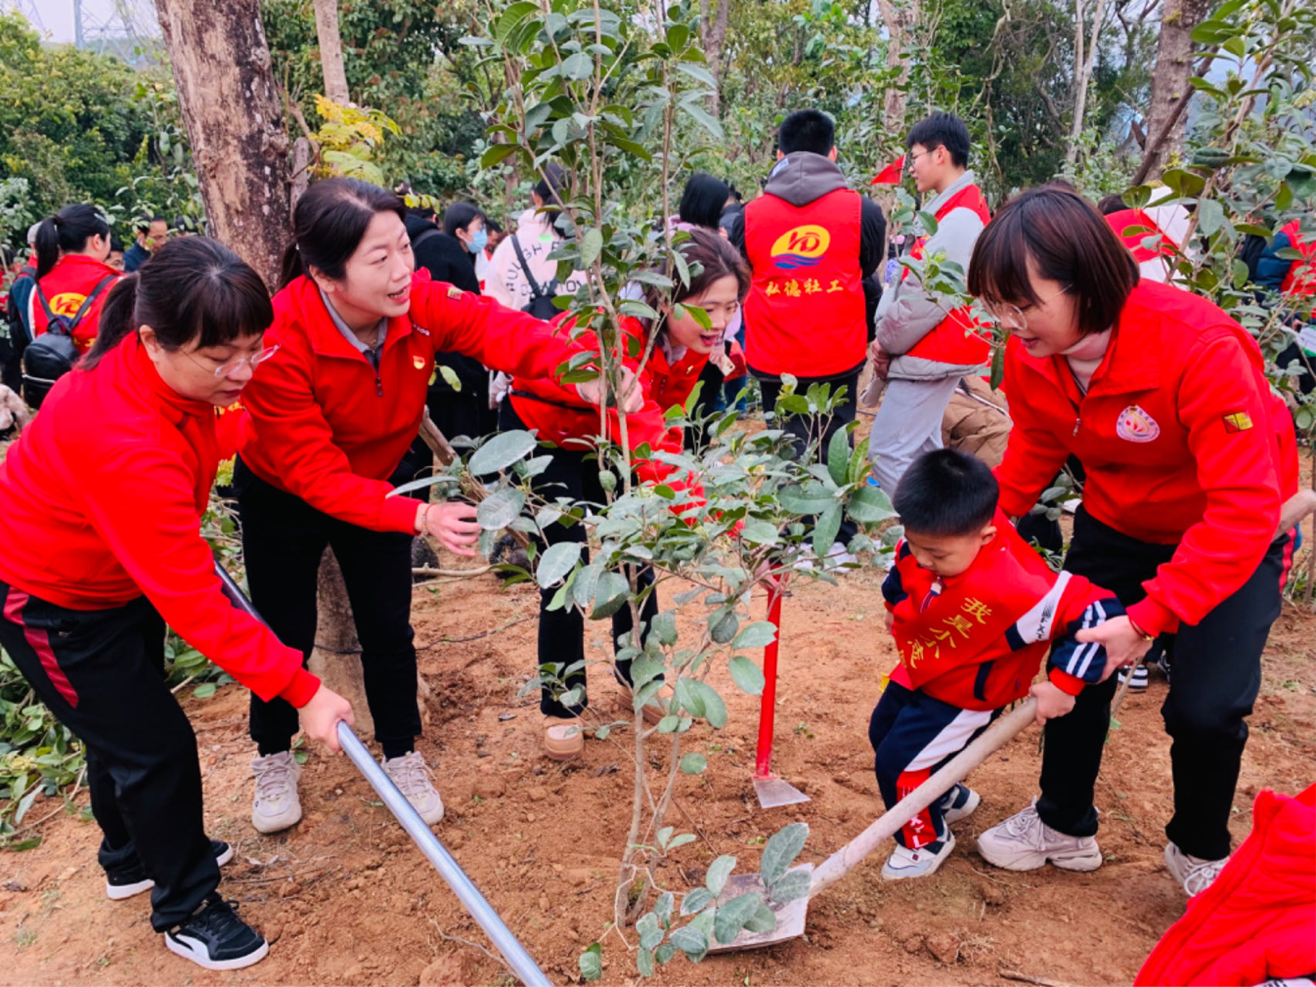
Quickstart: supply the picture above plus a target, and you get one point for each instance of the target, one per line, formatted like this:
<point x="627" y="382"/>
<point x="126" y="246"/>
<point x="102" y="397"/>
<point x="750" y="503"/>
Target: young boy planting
<point x="972" y="609"/>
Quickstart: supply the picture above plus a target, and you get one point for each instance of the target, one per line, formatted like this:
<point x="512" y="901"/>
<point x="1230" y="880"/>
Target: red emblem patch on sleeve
<point x="1239" y="421"/>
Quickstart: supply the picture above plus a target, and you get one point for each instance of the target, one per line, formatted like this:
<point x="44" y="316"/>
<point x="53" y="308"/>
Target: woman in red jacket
<point x="72" y="247"/>
<point x="329" y="422"/>
<point x="1164" y="400"/>
<point x="680" y="351"/>
<point x="100" y="506"/>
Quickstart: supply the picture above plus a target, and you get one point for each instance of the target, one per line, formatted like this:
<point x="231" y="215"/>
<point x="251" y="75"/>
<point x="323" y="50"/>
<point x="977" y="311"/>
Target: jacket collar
<point x="803" y="177"/>
<point x="323" y="334"/>
<point x="952" y="190"/>
<point x="88" y="266"/>
<point x="985" y="554"/>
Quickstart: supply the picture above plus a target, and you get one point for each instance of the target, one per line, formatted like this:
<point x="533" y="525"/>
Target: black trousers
<point x="101" y="673"/>
<point x="1217" y="673"/>
<point x="562" y="631"/>
<point x="465" y="412"/>
<point x="283" y="538"/>
<point x="805" y="428"/>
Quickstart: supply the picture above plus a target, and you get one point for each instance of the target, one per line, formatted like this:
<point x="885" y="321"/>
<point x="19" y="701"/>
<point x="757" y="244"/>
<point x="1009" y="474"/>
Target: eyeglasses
<point x="1011" y="317"/>
<point x="230" y="367"/>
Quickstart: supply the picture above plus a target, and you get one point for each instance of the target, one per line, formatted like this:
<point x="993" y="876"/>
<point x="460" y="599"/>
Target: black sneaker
<point x="215" y="938"/>
<point x="1140" y="678"/>
<point x="131" y="878"/>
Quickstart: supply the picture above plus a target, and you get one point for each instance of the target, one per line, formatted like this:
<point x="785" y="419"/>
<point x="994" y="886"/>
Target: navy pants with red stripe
<point x="101" y="673"/>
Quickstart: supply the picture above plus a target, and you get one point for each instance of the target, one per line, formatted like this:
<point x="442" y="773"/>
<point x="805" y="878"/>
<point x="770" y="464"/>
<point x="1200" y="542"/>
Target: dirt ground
<point x="346" y="899"/>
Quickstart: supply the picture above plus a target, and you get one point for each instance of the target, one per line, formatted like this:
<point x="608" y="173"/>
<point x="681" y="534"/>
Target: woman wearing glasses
<point x="329" y="422"/>
<point x="1163" y="399"/>
<point x="100" y="504"/>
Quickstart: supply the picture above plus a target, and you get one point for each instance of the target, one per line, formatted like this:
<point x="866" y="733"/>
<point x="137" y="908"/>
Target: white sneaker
<point x="958" y="803"/>
<point x="412" y="776"/>
<point x="1024" y="842"/>
<point x="276" y="805"/>
<point x="1194" y="873"/>
<point x="905" y="863"/>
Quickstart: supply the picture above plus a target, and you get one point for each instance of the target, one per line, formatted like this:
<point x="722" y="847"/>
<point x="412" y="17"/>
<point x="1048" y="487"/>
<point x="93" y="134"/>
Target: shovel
<point x="514" y="954"/>
<point x="790" y="916"/>
<point x="771" y="790"/>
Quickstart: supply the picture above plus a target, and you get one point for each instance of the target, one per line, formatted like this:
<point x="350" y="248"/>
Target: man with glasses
<point x="923" y="345"/>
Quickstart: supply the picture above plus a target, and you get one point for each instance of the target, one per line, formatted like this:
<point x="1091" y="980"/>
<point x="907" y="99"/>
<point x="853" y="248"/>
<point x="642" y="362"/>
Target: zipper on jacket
<point x="379" y="385"/>
<point x="1078" y="423"/>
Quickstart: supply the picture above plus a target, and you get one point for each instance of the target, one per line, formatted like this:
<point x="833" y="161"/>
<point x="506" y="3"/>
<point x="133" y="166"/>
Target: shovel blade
<point x="773" y="792"/>
<point x="790" y="916"/>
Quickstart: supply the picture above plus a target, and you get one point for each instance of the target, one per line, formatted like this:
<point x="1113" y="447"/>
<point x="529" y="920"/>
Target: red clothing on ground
<point x="323" y="425"/>
<point x="101" y="499"/>
<point x="1181" y="440"/>
<point x="66" y="287"/>
<point x="1257" y="921"/>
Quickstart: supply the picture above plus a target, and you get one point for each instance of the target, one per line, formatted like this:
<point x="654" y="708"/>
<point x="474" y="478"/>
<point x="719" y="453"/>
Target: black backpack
<point x="541" y="299"/>
<point x="52" y="354"/>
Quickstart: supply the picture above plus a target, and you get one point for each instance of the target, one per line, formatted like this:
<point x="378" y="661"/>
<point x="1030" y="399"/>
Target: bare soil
<point x="346" y="899"/>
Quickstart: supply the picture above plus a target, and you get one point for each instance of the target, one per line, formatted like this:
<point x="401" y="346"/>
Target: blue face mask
<point x="478" y="241"/>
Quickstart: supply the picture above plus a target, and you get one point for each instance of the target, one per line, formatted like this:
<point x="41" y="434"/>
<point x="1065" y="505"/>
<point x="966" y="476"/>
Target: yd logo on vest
<point x="1135" y="425"/>
<point x="802" y="246"/>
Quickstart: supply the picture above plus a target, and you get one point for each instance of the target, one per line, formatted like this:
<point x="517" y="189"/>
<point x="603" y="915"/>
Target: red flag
<point x="890" y="175"/>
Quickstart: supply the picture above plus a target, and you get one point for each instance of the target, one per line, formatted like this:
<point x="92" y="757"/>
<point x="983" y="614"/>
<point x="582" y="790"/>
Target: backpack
<point x="52" y="354"/>
<point x="541" y="299"/>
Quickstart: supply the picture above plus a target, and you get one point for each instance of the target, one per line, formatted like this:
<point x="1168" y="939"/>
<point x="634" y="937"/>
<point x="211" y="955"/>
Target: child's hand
<point x="890" y="619"/>
<point x="1052" y="701"/>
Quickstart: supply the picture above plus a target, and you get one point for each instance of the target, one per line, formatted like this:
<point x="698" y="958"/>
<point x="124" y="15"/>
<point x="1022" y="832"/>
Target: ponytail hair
<point x="67" y="231"/>
<point x="329" y="223"/>
<point x="190" y="289"/>
<point x="710" y="257"/>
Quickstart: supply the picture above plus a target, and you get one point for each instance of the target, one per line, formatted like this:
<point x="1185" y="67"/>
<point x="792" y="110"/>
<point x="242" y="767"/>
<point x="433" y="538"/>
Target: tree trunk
<point x="331" y="51"/>
<point x="1085" y="57"/>
<point x="338" y="662"/>
<point x="899" y="16"/>
<point x="234" y="120"/>
<point x="714" y="39"/>
<point x="1174" y="66"/>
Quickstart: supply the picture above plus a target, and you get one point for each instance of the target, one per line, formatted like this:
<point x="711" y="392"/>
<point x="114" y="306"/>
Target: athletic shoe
<point x="563" y="739"/>
<point x="1163" y="663"/>
<point x="905" y="863"/>
<point x="959" y="802"/>
<point x="1140" y="678"/>
<point x="276" y="805"/>
<point x="215" y="938"/>
<point x="1194" y="873"/>
<point x="130" y="879"/>
<point x="1024" y="842"/>
<point x="412" y="776"/>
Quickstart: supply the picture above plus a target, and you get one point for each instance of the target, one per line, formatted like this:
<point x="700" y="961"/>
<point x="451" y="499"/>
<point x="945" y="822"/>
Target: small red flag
<point x="890" y="175"/>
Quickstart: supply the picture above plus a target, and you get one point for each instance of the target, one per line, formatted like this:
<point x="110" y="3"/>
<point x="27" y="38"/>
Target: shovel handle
<point x="768" y="704"/>
<point x="994" y="737"/>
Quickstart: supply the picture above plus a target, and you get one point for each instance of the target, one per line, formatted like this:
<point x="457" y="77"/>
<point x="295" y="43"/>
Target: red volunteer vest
<point x="952" y="341"/>
<point x="805" y="310"/>
<point x="1133" y="226"/>
<point x="1301" y="279"/>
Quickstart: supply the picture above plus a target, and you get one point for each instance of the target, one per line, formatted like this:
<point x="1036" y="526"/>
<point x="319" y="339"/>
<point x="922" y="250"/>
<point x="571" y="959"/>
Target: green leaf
<point x="718" y="872"/>
<point x="746" y="674"/>
<point x="692" y="942"/>
<point x="715" y="710"/>
<point x="870" y="505"/>
<point x="762" y="920"/>
<point x="650" y="931"/>
<point x="696" y="900"/>
<point x="644" y="960"/>
<point x="663" y="627"/>
<point x="825" y="530"/>
<point x="204" y="691"/>
<point x="1210" y="216"/>
<point x="693" y="764"/>
<point x="732" y="916"/>
<point x="590" y="247"/>
<point x="664" y="905"/>
<point x="682" y="840"/>
<point x="450" y="377"/>
<point x="838" y="456"/>
<point x="759" y="634"/>
<point x="494" y="155"/>
<point x="810" y="497"/>
<point x="610" y="595"/>
<point x="500" y="452"/>
<point x="793" y="884"/>
<point x="781" y="850"/>
<point x="501" y="508"/>
<point x="723" y="625"/>
<point x="688" y="698"/>
<point x="556" y="562"/>
<point x="703" y="118"/>
<point x="591" y="962"/>
<point x="664" y="952"/>
<point x="929" y="222"/>
<point x="758" y="532"/>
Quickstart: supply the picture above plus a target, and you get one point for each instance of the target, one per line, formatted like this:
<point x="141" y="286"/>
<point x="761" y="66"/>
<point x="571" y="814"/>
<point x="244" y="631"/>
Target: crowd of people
<point x="1153" y="396"/>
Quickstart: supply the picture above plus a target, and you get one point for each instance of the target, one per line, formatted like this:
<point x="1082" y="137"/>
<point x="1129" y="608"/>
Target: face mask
<point x="478" y="240"/>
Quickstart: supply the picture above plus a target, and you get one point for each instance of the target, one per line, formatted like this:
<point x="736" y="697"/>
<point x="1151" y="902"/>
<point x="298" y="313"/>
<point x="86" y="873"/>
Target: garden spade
<point x="771" y="790"/>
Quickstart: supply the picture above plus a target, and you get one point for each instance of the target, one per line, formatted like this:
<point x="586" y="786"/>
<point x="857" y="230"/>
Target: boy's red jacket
<point x="325" y="426"/>
<point x="977" y="639"/>
<point x="66" y="287"/>
<point x="1181" y="438"/>
<point x="564" y="419"/>
<point x="100" y="502"/>
<point x="1256" y="923"/>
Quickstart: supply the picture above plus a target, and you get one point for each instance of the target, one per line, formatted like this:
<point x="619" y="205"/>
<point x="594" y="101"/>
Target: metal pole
<point x="467" y="893"/>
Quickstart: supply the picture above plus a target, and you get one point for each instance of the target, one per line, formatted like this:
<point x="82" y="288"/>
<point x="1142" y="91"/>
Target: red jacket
<point x="323" y="425"/>
<point x="1133" y="226"/>
<point x="66" y="287"/>
<point x="977" y="639"/>
<point x="1257" y="922"/>
<point x="100" y="502"/>
<point x="1180" y="437"/>
<point x="561" y="417"/>
<point x="1301" y="279"/>
<point x="953" y="340"/>
<point x="805" y="311"/>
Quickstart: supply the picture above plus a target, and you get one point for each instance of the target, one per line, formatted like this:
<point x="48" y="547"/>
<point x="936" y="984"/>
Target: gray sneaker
<point x="412" y="776"/>
<point x="1024" y="842"/>
<point x="1194" y="873"/>
<point x="276" y="805"/>
<point x="904" y="863"/>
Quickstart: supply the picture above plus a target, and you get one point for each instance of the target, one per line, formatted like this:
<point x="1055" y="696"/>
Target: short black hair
<point x="942" y="130"/>
<point x="492" y="225"/>
<point x="115" y="243"/>
<point x="806" y="130"/>
<point x="459" y="216"/>
<point x="1111" y="204"/>
<point x="549" y="187"/>
<point x="946" y="492"/>
<point x="702" y="200"/>
<point x="142" y="224"/>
